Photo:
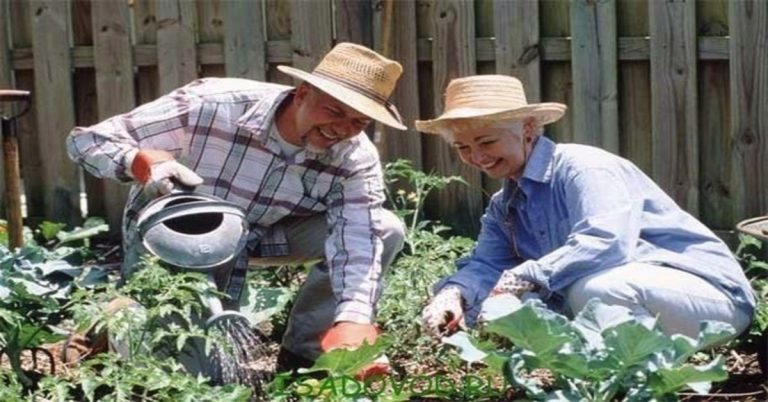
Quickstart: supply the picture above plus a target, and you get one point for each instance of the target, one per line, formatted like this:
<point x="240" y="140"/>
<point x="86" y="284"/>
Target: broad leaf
<point x="467" y="351"/>
<point x="258" y="304"/>
<point x="596" y="317"/>
<point x="631" y="343"/>
<point x="535" y="328"/>
<point x="673" y="379"/>
<point x="349" y="362"/>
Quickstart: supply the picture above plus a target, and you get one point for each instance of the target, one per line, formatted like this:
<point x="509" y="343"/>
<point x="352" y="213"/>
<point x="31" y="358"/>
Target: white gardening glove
<point x="512" y="284"/>
<point x="159" y="172"/>
<point x="444" y="314"/>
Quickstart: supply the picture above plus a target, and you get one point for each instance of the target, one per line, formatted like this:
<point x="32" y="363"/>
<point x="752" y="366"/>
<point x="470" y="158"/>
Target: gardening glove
<point x="351" y="335"/>
<point x="511" y="283"/>
<point x="444" y="314"/>
<point x="158" y="172"/>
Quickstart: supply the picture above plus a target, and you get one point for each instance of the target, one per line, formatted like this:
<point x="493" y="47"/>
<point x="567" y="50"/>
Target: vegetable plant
<point x="604" y="354"/>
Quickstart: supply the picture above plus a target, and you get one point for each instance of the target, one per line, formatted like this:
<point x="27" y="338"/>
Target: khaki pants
<point x="315" y="305"/>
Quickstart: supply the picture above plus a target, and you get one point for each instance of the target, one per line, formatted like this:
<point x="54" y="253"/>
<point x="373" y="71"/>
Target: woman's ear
<point x="529" y="129"/>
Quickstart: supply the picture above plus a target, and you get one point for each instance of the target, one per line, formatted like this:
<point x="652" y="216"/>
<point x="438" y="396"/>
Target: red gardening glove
<point x="158" y="171"/>
<point x="351" y="335"/>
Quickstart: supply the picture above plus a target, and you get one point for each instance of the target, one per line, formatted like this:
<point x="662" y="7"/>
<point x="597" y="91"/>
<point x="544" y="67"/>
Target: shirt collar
<point x="537" y="169"/>
<point x="258" y="118"/>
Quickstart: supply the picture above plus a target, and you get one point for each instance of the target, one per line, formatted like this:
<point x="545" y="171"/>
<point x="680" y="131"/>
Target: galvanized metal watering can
<point x="195" y="232"/>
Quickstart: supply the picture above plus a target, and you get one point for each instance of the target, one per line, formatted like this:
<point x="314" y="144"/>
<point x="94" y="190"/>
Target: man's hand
<point x="510" y="283"/>
<point x="158" y="172"/>
<point x="351" y="335"/>
<point x="444" y="314"/>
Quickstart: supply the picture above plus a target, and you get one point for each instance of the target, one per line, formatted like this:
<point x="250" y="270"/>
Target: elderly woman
<point x="574" y="222"/>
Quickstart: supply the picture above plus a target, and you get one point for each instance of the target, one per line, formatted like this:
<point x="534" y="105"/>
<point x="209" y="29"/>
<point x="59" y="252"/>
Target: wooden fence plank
<point x="749" y="104"/>
<point x="312" y="36"/>
<point x="634" y="88"/>
<point x="176" y="48"/>
<point x="114" y="75"/>
<point x="86" y="108"/>
<point x="245" y="52"/>
<point x="55" y="112"/>
<point x="211" y="25"/>
<point x="593" y="60"/>
<point x="715" y="144"/>
<point x="673" y="100"/>
<point x="6" y="82"/>
<point x="517" y="45"/>
<point x="556" y="78"/>
<point x="453" y="56"/>
<point x="278" y="16"/>
<point x="31" y="162"/>
<point x="145" y="32"/>
<point x="399" y="44"/>
<point x="354" y="21"/>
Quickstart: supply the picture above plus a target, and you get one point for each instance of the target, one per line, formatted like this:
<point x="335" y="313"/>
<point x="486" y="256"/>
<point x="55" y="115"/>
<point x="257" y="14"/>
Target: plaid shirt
<point x="220" y="128"/>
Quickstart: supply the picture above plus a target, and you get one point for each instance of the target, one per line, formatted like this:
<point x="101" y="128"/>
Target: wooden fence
<point x="680" y="87"/>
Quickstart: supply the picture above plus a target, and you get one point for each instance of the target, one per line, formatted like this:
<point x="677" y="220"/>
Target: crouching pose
<point x="575" y="222"/>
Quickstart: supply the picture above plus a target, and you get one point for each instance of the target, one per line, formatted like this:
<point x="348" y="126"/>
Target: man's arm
<point x="107" y="149"/>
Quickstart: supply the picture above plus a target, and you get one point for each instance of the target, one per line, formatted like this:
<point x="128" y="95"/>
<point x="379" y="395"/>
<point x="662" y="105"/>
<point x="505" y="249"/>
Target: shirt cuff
<point x="531" y="271"/>
<point x="128" y="161"/>
<point x="354" y="311"/>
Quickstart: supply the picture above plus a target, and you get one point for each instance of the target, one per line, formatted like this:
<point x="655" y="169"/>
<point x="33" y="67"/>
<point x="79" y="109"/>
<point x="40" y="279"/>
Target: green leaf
<point x="344" y="362"/>
<point x="49" y="229"/>
<point x="258" y="304"/>
<point x="672" y="379"/>
<point x="535" y="328"/>
<point x="630" y="343"/>
<point x="467" y="351"/>
<point x="81" y="233"/>
<point x="596" y="317"/>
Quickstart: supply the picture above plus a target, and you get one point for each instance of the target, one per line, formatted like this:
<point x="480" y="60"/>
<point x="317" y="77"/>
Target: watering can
<point x="194" y="232"/>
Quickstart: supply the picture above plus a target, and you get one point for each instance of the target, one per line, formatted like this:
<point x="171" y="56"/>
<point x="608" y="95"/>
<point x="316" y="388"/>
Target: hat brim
<point x="347" y="96"/>
<point x="544" y="113"/>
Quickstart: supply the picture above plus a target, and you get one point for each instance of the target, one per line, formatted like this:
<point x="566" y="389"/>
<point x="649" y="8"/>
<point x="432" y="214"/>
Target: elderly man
<point x="574" y="222"/>
<point x="298" y="162"/>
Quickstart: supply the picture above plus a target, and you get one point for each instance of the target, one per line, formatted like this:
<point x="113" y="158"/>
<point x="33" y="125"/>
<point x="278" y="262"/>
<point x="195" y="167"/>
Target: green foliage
<point x="408" y="200"/>
<point x="602" y="355"/>
<point x="429" y="256"/>
<point x="751" y="255"/>
<point x="145" y="379"/>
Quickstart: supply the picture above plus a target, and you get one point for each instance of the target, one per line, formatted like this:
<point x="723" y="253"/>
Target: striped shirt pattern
<point x="220" y="128"/>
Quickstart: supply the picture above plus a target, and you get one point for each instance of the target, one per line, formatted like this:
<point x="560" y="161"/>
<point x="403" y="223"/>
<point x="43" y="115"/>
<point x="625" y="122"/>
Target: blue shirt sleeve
<point x="477" y="273"/>
<point x="605" y="224"/>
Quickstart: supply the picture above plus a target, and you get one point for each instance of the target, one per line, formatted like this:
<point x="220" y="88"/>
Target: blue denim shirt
<point x="577" y="210"/>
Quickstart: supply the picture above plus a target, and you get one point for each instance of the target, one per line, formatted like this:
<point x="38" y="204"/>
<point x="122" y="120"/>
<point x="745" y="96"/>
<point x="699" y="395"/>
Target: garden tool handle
<point x="11" y="166"/>
<point x="15" y="95"/>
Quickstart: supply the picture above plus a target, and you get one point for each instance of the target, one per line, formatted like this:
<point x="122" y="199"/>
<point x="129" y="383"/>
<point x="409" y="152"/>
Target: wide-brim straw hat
<point x="481" y="100"/>
<point x="358" y="77"/>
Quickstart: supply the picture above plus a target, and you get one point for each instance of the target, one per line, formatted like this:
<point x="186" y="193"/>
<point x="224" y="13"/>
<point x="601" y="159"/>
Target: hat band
<point x="352" y="85"/>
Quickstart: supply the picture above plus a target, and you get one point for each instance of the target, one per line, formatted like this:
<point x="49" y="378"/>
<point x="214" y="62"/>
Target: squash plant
<point x="604" y="354"/>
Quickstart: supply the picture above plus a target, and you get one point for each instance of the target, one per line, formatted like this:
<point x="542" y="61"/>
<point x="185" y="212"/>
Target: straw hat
<point x="481" y="100"/>
<point x="358" y="77"/>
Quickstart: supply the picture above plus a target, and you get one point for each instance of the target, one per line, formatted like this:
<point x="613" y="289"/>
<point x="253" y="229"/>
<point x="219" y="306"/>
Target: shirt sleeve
<point x="354" y="245"/>
<point x="605" y="228"/>
<point x="106" y="149"/>
<point x="477" y="273"/>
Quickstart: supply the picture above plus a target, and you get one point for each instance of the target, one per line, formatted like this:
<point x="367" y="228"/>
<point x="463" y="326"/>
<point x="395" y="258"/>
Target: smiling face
<point x="500" y="151"/>
<point x="321" y="121"/>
